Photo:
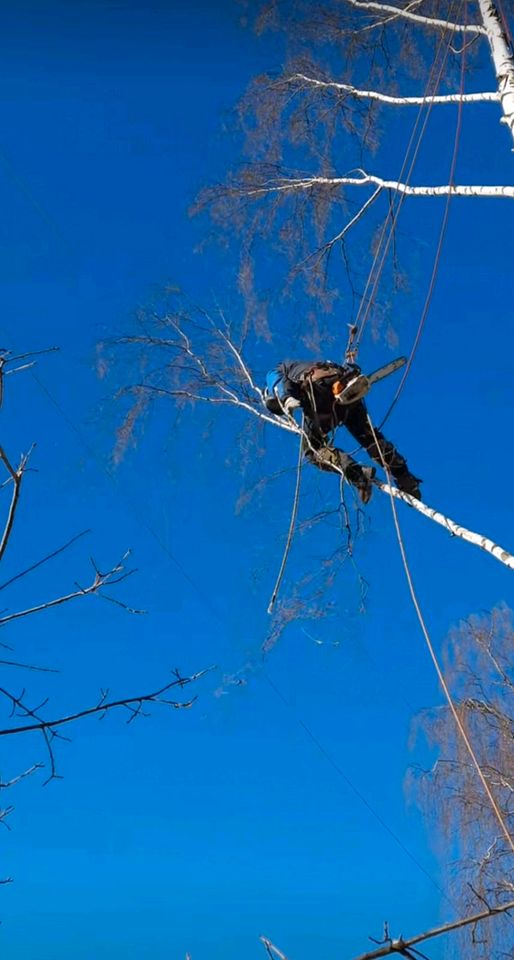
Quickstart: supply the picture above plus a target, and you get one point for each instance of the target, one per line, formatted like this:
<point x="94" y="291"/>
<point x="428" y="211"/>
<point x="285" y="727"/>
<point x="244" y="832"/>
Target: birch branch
<point x="289" y="424"/>
<point x="351" y="91"/>
<point x="406" y="14"/>
<point x="454" y="529"/>
<point x="289" y="185"/>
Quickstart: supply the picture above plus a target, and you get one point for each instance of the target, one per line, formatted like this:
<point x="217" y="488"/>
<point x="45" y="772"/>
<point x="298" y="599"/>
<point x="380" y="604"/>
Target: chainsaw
<point x="358" y="385"/>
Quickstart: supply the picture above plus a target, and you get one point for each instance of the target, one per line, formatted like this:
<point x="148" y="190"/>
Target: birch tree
<point x="478" y="862"/>
<point x="314" y="174"/>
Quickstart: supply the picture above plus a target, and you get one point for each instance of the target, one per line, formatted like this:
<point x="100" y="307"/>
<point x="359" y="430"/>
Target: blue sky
<point x="199" y="831"/>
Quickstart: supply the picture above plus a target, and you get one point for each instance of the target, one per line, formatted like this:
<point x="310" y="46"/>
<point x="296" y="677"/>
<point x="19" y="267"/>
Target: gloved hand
<point x="291" y="404"/>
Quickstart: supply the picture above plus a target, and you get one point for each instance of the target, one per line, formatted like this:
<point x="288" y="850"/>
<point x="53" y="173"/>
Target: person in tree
<point x="329" y="395"/>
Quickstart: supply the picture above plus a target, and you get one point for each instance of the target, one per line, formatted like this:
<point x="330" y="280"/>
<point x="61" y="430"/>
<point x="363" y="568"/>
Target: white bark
<point x="455" y="529"/>
<point x="347" y="88"/>
<point x="406" y="13"/>
<point x="503" y="59"/>
<point x="285" y="185"/>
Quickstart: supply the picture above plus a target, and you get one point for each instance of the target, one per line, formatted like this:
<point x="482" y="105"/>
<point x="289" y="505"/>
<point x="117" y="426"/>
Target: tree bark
<point x="503" y="60"/>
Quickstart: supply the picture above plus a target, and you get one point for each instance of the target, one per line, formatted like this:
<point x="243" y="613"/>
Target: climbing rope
<point x="292" y="523"/>
<point x="391" y="219"/>
<point x="446" y="690"/>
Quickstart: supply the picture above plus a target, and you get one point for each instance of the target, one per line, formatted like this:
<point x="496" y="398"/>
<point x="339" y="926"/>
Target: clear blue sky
<point x="198" y="831"/>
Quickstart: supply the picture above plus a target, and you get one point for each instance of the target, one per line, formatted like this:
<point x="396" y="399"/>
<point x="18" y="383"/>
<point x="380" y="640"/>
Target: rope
<point x="440" y="243"/>
<point x="212" y="608"/>
<point x="393" y="213"/>
<point x="292" y="524"/>
<point x="460" y="726"/>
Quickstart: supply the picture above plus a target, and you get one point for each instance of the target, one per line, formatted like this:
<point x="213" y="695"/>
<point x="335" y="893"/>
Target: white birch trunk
<point x="503" y="60"/>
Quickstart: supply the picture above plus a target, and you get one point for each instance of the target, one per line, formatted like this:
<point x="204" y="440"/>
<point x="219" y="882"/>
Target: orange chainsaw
<point x="360" y="383"/>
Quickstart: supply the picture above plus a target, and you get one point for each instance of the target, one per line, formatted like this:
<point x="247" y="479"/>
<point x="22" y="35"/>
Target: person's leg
<point x="357" y="422"/>
<point x="328" y="458"/>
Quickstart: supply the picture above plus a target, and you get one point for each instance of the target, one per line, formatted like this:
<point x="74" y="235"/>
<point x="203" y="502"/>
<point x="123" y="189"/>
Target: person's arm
<point x="283" y="393"/>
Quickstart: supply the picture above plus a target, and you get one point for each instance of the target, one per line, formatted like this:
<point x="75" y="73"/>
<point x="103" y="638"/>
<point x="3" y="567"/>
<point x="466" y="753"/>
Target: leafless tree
<point x="480" y="669"/>
<point x="25" y="713"/>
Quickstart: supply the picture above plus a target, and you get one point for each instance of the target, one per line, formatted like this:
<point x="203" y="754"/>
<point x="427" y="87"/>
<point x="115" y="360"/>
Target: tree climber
<point x="330" y="396"/>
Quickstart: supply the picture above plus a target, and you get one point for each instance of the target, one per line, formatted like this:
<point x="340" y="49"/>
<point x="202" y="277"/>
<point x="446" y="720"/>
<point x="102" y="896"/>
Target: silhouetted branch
<point x="113" y="576"/>
<point x="16" y="475"/>
<point x="403" y="946"/>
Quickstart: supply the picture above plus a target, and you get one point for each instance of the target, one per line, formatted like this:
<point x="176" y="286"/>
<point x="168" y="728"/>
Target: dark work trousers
<point x="321" y="423"/>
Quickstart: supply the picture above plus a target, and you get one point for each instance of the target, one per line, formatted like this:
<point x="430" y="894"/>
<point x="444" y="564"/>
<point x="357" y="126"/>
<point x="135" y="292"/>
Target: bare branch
<point x="402" y="946"/>
<point x="115" y="575"/>
<point x="16" y="476"/>
<point x="5" y="784"/>
<point x="132" y="703"/>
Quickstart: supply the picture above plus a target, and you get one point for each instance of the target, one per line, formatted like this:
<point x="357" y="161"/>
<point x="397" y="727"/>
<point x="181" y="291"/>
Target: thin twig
<point x="39" y="563"/>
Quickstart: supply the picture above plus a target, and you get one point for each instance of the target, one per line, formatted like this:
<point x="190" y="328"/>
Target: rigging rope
<point x="440" y="243"/>
<point x="460" y="726"/>
<point x="213" y="609"/>
<point x="390" y="222"/>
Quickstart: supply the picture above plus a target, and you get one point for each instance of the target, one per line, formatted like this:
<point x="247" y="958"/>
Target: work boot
<point x="360" y="478"/>
<point x="408" y="483"/>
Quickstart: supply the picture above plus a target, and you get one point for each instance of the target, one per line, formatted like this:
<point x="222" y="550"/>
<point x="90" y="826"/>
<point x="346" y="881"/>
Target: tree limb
<point x="402" y="946"/>
<point x="455" y="529"/>
<point x="290" y="184"/>
<point x="351" y="91"/>
<point x="406" y="14"/>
